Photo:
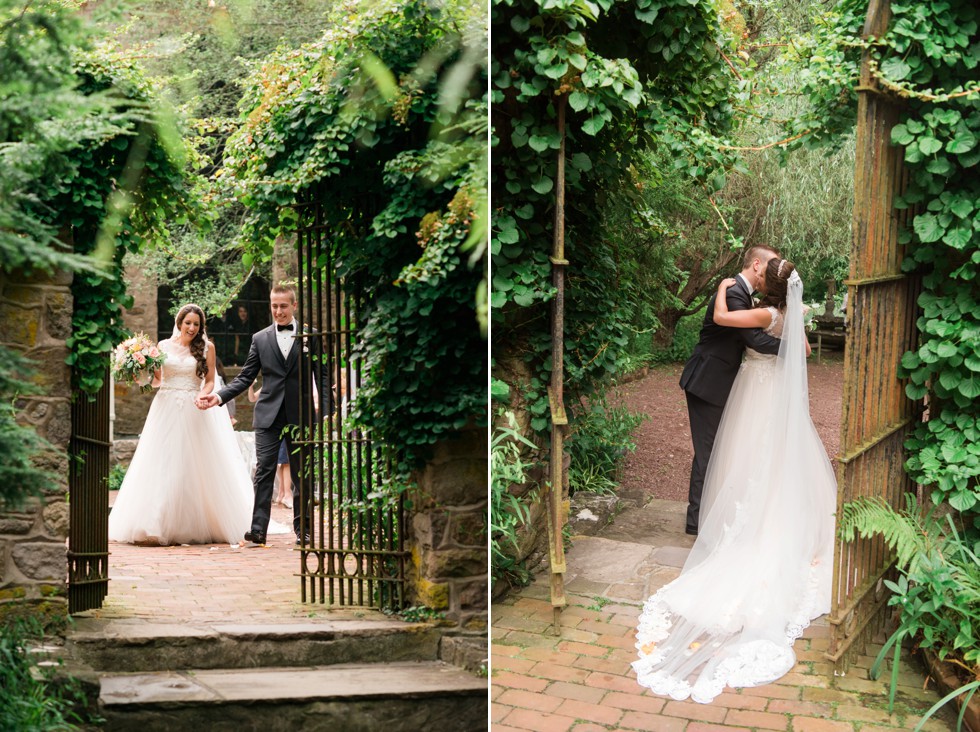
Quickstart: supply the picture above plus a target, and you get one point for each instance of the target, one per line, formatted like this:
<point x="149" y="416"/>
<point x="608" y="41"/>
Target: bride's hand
<point x="725" y="284"/>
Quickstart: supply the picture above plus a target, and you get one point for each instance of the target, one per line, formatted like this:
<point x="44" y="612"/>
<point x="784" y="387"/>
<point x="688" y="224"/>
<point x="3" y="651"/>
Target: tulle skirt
<point x="187" y="482"/>
<point x="760" y="569"/>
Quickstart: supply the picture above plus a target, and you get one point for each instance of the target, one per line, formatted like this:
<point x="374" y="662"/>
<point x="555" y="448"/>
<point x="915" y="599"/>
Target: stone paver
<point x="587" y="667"/>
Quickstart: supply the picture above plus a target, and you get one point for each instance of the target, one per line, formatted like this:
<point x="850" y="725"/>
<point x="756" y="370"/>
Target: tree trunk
<point x="663" y="337"/>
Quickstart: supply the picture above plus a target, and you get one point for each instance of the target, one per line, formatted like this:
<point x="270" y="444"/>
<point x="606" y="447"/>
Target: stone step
<point x="393" y="697"/>
<point x="130" y="646"/>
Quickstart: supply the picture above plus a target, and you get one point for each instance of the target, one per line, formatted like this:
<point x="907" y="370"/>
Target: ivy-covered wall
<point x="35" y="320"/>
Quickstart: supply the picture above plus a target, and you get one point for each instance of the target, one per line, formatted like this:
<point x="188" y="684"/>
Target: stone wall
<point x="35" y="319"/>
<point x="448" y="533"/>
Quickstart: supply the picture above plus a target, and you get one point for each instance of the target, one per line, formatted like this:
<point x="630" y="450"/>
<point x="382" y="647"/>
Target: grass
<point x="31" y="699"/>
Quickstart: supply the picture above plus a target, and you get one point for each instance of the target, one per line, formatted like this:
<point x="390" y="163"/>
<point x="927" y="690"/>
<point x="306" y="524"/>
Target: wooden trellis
<point x="877" y="416"/>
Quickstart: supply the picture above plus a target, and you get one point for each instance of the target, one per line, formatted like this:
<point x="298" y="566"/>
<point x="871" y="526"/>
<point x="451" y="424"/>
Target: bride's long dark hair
<point x="197" y="345"/>
<point x="777" y="274"/>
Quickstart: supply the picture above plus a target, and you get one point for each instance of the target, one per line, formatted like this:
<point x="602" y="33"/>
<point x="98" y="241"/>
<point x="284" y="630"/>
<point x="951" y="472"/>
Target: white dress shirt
<point x="285" y="338"/>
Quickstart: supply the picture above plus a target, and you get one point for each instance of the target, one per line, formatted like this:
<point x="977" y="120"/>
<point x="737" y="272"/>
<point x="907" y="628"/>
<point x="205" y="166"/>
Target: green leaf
<point x="647" y="16"/>
<point x="962" y="207"/>
<point x="539" y="143"/>
<point x="949" y="379"/>
<point x="929" y="145"/>
<point x="581" y="161"/>
<point x="963" y="500"/>
<point x="895" y="69"/>
<point x="961" y="144"/>
<point x="927" y="228"/>
<point x="970" y="388"/>
<point x="959" y="237"/>
<point x="592" y="125"/>
<point x="910" y="360"/>
<point x="557" y="71"/>
<point x="578" y="101"/>
<point x="543" y="185"/>
<point x="525" y="212"/>
<point x="901" y="135"/>
<point x="946" y="349"/>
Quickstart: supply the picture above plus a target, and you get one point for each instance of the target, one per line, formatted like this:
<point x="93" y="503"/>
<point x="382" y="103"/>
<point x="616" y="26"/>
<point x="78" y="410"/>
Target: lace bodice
<point x="180" y="369"/>
<point x="775" y="329"/>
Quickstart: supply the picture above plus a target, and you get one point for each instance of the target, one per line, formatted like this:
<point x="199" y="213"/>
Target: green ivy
<point x="928" y="58"/>
<point x="68" y="117"/>
<point x="385" y="117"/>
<point x="637" y="75"/>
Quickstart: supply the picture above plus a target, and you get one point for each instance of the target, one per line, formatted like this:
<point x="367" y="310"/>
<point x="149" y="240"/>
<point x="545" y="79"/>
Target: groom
<point x="709" y="374"/>
<point x="275" y="351"/>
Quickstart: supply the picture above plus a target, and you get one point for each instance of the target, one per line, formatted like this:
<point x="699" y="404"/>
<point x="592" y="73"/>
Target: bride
<point x="760" y="569"/>
<point x="187" y="483"/>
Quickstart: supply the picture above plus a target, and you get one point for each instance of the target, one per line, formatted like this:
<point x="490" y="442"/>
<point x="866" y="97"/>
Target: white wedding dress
<point x="187" y="482"/>
<point x="761" y="567"/>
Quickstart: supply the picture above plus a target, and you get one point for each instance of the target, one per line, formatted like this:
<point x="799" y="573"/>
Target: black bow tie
<point x="284" y="327"/>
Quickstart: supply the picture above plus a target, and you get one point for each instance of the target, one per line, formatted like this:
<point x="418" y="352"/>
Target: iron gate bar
<point x="341" y="465"/>
<point x="88" y="472"/>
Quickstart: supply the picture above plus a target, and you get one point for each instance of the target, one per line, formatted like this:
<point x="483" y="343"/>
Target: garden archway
<point x="877" y="415"/>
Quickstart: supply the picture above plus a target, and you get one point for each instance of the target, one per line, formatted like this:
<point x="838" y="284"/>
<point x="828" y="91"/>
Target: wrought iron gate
<point x="88" y="501"/>
<point x="877" y="416"/>
<point x="356" y="554"/>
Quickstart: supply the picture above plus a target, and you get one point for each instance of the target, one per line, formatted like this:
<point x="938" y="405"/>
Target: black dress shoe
<point x="690" y="532"/>
<point x="255" y="537"/>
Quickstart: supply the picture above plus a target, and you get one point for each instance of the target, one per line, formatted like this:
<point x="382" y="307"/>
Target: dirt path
<point x="661" y="465"/>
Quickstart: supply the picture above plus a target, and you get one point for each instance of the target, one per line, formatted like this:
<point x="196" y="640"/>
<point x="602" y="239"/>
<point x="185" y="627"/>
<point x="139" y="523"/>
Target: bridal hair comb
<point x="779" y="272"/>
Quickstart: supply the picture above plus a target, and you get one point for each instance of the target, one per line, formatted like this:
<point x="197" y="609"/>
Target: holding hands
<point x="207" y="401"/>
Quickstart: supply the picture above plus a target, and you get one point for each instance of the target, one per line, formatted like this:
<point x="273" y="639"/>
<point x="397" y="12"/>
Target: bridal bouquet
<point x="135" y="360"/>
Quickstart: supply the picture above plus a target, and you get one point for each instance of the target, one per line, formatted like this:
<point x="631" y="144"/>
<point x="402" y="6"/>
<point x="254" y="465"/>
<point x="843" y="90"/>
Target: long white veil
<point x="759" y="570"/>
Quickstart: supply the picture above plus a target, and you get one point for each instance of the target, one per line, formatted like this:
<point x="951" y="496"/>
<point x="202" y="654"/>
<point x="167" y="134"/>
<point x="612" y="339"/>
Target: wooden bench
<point x="831" y="331"/>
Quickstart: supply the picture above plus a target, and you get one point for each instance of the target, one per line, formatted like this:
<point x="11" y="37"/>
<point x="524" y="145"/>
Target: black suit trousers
<point x="705" y="418"/>
<point x="267" y="441"/>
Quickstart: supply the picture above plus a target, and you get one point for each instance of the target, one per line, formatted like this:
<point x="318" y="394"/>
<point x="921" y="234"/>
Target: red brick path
<point x="212" y="583"/>
<point x="582" y="681"/>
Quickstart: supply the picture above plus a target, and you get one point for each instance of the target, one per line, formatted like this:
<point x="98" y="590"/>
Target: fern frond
<point x="904" y="532"/>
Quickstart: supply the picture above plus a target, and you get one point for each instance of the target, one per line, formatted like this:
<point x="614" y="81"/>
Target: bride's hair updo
<point x="777" y="274"/>
<point x="197" y="345"/>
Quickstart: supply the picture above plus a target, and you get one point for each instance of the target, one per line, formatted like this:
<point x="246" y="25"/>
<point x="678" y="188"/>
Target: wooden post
<point x="559" y="421"/>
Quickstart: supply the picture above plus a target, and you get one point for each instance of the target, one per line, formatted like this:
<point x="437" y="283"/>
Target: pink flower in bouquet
<point x="135" y="360"/>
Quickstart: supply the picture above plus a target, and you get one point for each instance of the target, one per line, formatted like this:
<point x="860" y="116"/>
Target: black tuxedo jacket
<point x="712" y="368"/>
<point x="280" y="378"/>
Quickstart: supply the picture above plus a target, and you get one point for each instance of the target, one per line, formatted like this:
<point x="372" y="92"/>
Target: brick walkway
<point x="582" y="681"/>
<point x="212" y="582"/>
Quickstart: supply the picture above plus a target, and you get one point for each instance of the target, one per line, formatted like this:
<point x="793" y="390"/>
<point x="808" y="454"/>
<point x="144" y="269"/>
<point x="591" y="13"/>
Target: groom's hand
<point x="207" y="401"/>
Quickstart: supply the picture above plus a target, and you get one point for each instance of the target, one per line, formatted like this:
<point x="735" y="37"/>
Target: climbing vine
<point x="54" y="116"/>
<point x="929" y="59"/>
<point x="635" y="76"/>
<point x="385" y="118"/>
<point x="121" y="195"/>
